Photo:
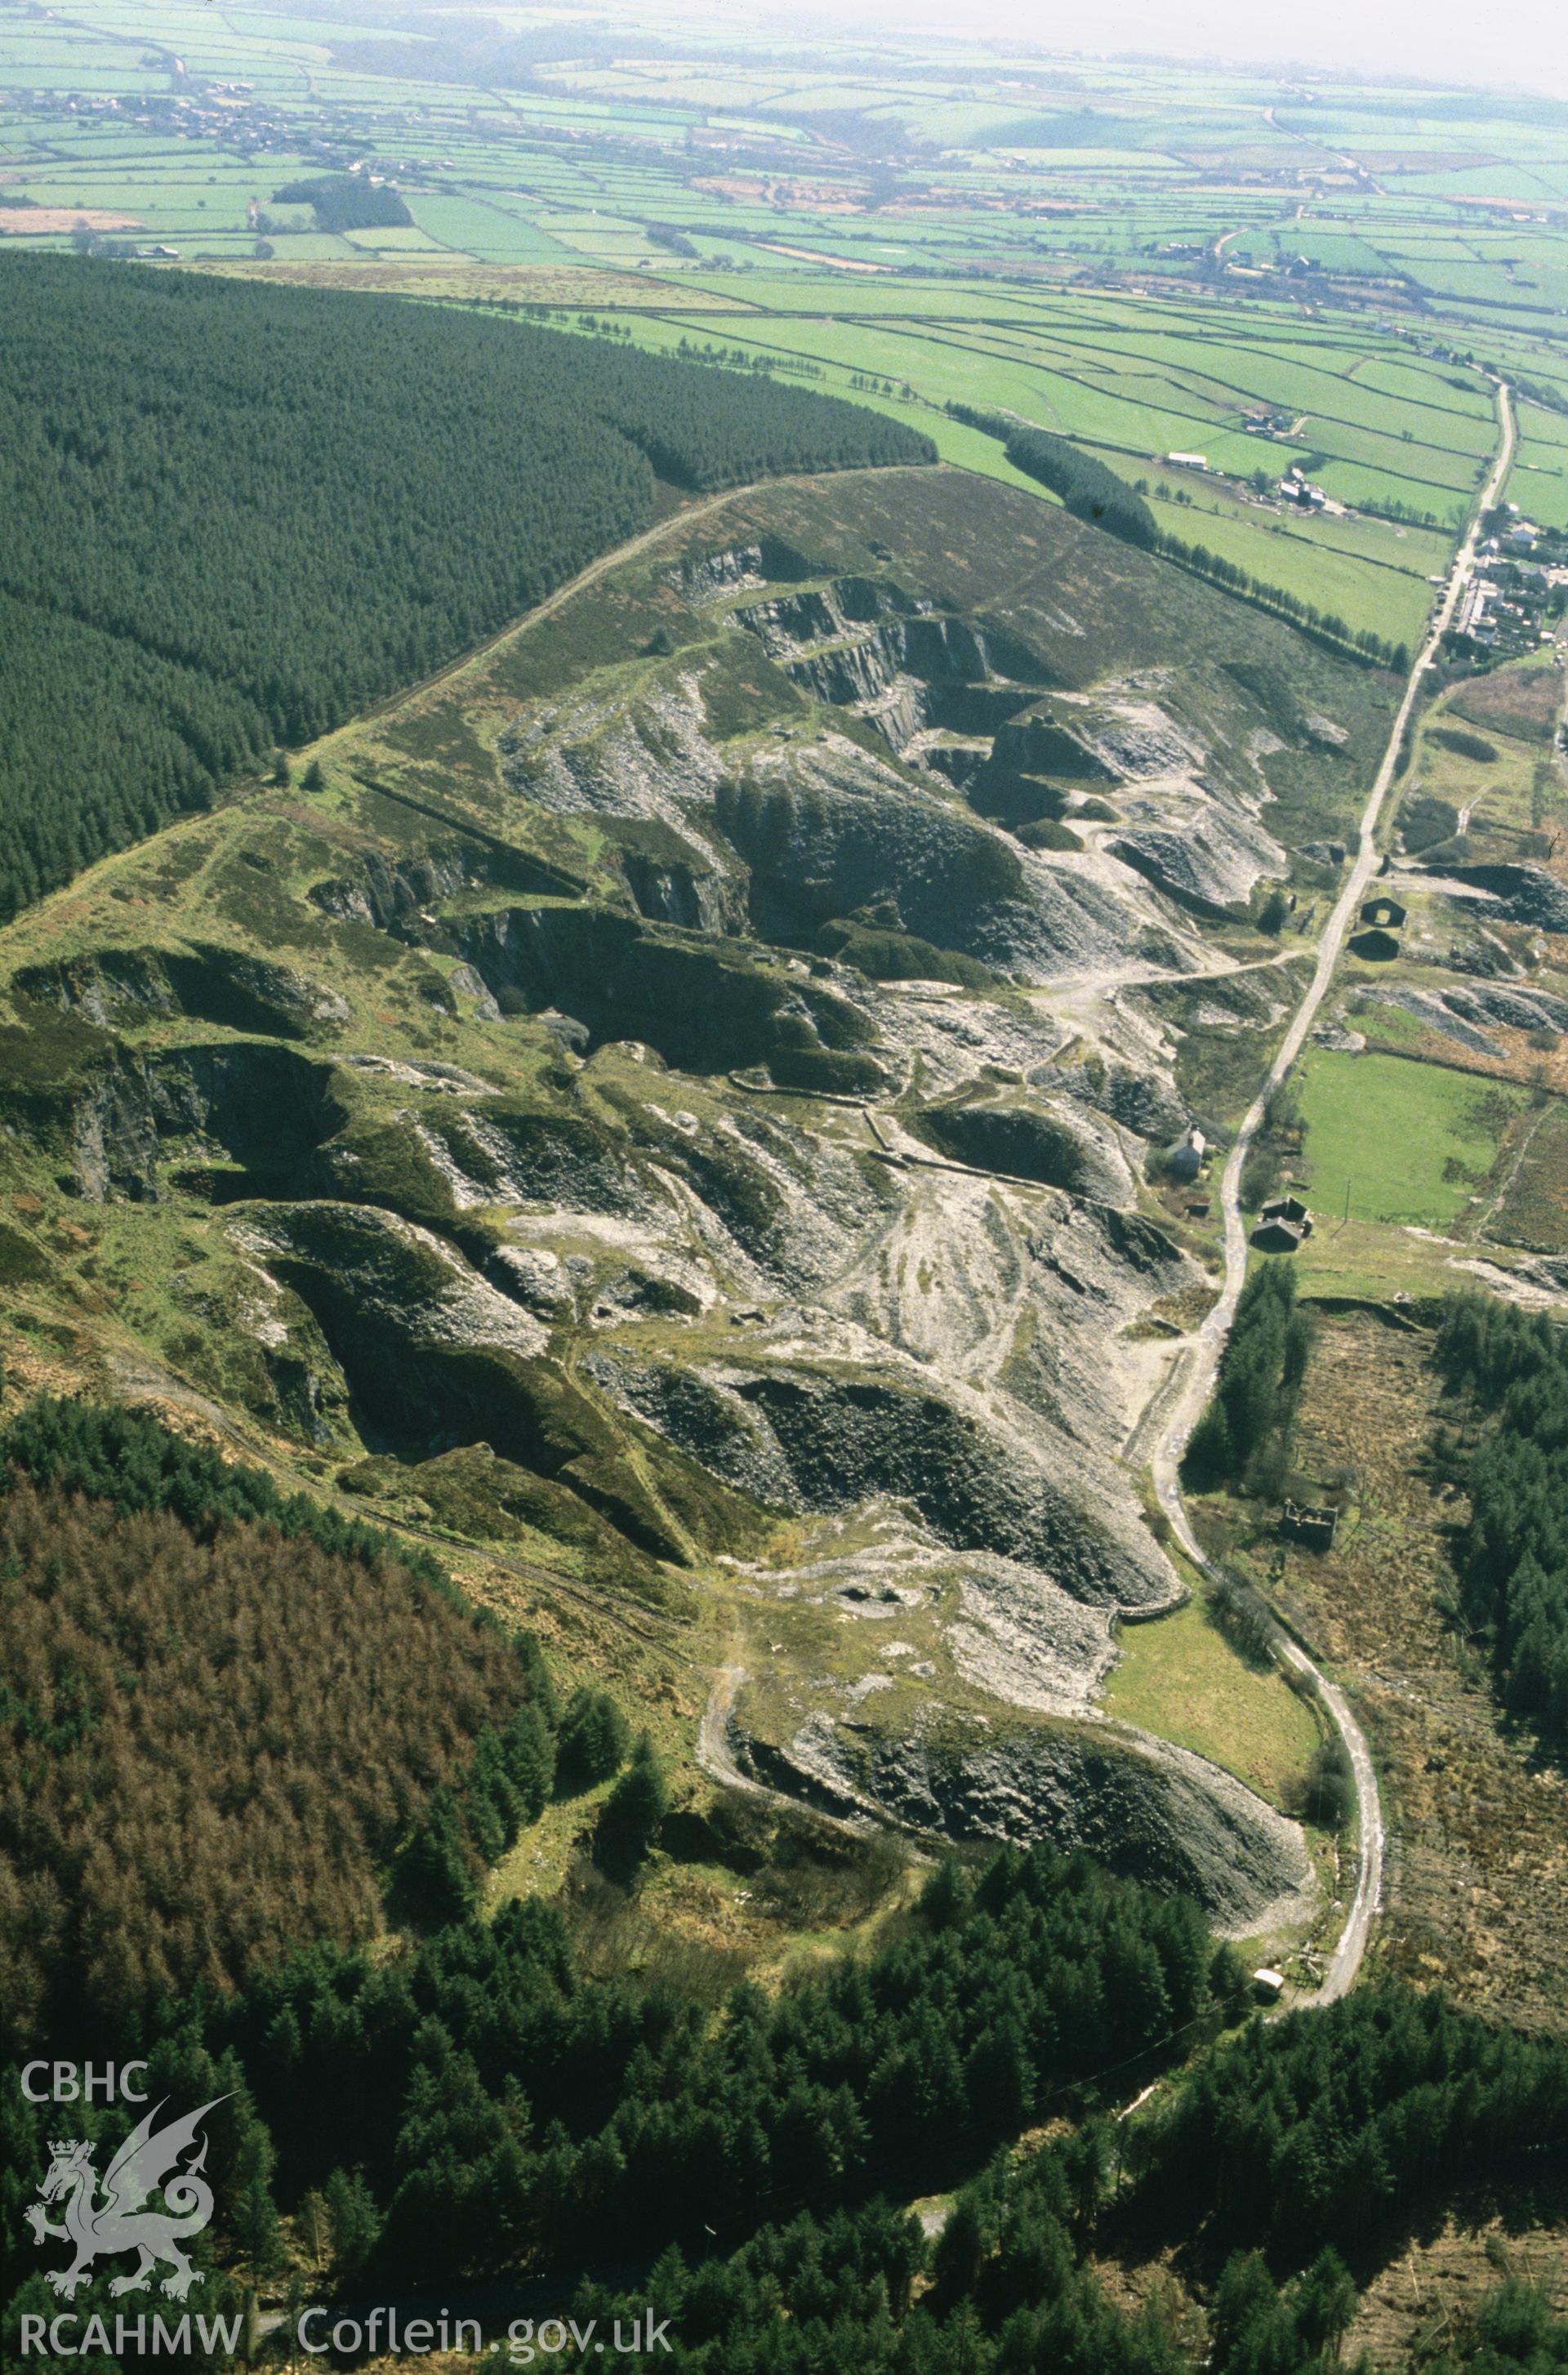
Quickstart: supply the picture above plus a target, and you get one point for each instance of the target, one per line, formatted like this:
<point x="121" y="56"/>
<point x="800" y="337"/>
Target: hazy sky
<point x="1519" y="44"/>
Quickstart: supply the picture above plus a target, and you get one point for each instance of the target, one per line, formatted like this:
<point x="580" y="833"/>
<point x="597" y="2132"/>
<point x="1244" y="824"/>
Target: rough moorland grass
<point x="1524" y="700"/>
<point x="1411" y="1141"/>
<point x="1179" y="1677"/>
<point x="1535" y="1210"/>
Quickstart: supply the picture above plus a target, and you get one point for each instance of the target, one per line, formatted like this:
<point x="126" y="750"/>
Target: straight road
<point x="1186" y="1392"/>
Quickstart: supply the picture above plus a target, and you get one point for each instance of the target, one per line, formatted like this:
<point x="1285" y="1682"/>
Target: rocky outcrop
<point x="704" y="1008"/>
<point x="258" y="1105"/>
<point x="1512" y="1009"/>
<point x="708" y="577"/>
<point x="1140" y="1100"/>
<point x="1032" y="1141"/>
<point x="680" y="891"/>
<point x="1051" y="740"/>
<point x="1525" y="895"/>
<point x="208" y="983"/>
<point x="388" y="891"/>
<point x="819" y="1441"/>
<point x="1155" y="1813"/>
<point x="393" y="1271"/>
<point x="1471" y="1018"/>
<point x="862" y="644"/>
<point x="434" y="1356"/>
<point x="1204" y="870"/>
<point x="833" y="831"/>
<point x="645" y="751"/>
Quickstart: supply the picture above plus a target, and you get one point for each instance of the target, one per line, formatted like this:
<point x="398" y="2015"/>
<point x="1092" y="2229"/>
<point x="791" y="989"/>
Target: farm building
<point x="1376" y="946"/>
<point x="1384" y="909"/>
<point x="1186" y="1158"/>
<point x="1276" y="1237"/>
<point x="1288" y="1208"/>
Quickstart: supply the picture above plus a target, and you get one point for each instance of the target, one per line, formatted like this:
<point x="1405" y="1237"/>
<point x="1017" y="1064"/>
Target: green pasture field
<point x="1178" y="1676"/>
<point x="1413" y="1143"/>
<point x="1391" y="602"/>
<point x="488" y="233"/>
<point x="1538" y="480"/>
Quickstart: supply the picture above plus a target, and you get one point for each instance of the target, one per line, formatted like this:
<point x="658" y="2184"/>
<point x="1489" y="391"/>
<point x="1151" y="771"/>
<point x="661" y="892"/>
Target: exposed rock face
<point x="1471" y="1018"/>
<point x="679" y="891"/>
<point x="1525" y="895"/>
<point x="708" y="577"/>
<point x="1140" y="1100"/>
<point x="863" y="644"/>
<point x="825" y="1441"/>
<point x="430" y="1351"/>
<point x="389" y="1271"/>
<point x="1430" y="1008"/>
<point x="1153" y="1812"/>
<point x="386" y="892"/>
<point x="210" y="984"/>
<point x="829" y="829"/>
<point x="261" y="1105"/>
<point x="1515" y="1009"/>
<point x="1032" y="1141"/>
<point x="701" y="1007"/>
<point x="1206" y="867"/>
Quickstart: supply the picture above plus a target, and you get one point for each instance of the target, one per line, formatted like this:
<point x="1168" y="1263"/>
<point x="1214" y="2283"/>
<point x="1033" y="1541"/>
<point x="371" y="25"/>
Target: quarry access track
<point x="1186" y="1392"/>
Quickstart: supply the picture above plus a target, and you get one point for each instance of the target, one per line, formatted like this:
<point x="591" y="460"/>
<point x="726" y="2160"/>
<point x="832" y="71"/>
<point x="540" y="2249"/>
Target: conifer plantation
<point x="1244" y="1437"/>
<point x="1508" y="1370"/>
<point x="232" y="514"/>
<point x="224" y="1726"/>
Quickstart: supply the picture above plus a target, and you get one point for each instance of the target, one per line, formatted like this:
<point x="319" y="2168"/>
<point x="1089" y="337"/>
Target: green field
<point x="1178" y="1676"/>
<point x="1409" y="1142"/>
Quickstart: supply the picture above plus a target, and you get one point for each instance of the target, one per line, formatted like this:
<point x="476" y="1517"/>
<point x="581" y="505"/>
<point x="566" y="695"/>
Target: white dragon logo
<point x="146" y="2163"/>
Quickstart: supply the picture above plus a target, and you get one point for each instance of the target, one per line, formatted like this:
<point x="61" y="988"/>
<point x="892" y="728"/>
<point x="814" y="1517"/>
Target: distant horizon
<point x="1439" y="42"/>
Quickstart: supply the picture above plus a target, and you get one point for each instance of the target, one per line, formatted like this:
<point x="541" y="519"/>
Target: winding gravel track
<point x="1186" y="1393"/>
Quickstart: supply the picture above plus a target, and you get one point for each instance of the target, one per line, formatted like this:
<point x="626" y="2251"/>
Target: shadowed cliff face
<point x="677" y="1099"/>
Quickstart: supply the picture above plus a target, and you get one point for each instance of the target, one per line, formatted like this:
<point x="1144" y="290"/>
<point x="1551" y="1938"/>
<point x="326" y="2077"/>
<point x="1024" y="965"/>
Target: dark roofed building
<point x="1276" y="1237"/>
<point x="1376" y="946"/>
<point x="1384" y="909"/>
<point x="1186" y="1158"/>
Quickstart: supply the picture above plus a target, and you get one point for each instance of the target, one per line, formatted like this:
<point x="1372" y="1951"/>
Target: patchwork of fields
<point x="1154" y="262"/>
